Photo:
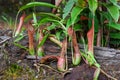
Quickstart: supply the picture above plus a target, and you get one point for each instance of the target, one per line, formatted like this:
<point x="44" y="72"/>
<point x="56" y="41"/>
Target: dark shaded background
<point x="10" y="7"/>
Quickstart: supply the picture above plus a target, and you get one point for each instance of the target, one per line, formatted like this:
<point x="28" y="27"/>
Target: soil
<point x="16" y="66"/>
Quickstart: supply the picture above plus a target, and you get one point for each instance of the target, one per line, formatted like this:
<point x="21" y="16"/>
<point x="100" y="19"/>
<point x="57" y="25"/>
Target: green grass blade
<point x="20" y="46"/>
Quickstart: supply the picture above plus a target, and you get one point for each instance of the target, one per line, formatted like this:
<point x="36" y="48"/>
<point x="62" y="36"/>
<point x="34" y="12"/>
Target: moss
<point x="16" y="72"/>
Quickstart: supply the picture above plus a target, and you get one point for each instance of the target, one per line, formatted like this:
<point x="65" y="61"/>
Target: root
<point x="43" y="65"/>
<point x="109" y="76"/>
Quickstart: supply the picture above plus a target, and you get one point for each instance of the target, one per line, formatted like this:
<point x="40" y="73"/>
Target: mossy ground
<point x="15" y="66"/>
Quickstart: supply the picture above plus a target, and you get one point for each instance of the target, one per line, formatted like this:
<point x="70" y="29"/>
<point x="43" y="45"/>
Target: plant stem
<point x="61" y="64"/>
<point x="20" y="24"/>
<point x="45" y="58"/>
<point x="53" y="39"/>
<point x="102" y="71"/>
<point x="57" y="3"/>
<point x="99" y="37"/>
<point x="40" y="50"/>
<point x="90" y="36"/>
<point x="31" y="38"/>
<point x="76" y="57"/>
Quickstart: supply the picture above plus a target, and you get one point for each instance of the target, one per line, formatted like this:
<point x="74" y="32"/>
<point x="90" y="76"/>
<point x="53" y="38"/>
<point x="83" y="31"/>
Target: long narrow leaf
<point x="42" y="14"/>
<point x="34" y="18"/>
<point x="52" y="20"/>
<point x="20" y="46"/>
<point x="33" y="4"/>
<point x="19" y="37"/>
<point x="68" y="8"/>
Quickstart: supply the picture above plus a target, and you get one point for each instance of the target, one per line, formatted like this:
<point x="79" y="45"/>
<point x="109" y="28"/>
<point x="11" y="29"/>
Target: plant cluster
<point x="70" y="24"/>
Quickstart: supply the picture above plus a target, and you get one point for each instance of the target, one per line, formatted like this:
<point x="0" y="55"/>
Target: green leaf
<point x="115" y="35"/>
<point x="113" y="1"/>
<point x="104" y="16"/>
<point x="93" y="4"/>
<point x="45" y="20"/>
<point x="77" y="27"/>
<point x="81" y="3"/>
<point x="5" y="19"/>
<point x="51" y="27"/>
<point x="68" y="23"/>
<point x="75" y="12"/>
<point x="19" y="37"/>
<point x="58" y="34"/>
<point x="42" y="14"/>
<point x="96" y="24"/>
<point x="34" y="18"/>
<point x="33" y="4"/>
<point x="114" y="12"/>
<point x="114" y="25"/>
<point x="90" y="20"/>
<point x="68" y="8"/>
<point x="20" y="46"/>
<point x="96" y="74"/>
<point x="43" y="41"/>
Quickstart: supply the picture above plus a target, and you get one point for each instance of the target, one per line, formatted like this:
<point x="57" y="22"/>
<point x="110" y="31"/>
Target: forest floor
<point x="14" y="64"/>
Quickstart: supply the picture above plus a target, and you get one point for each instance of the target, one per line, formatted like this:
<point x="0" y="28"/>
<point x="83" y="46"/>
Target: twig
<point x="43" y="65"/>
<point x="107" y="74"/>
<point x="33" y="57"/>
<point x="4" y="40"/>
